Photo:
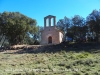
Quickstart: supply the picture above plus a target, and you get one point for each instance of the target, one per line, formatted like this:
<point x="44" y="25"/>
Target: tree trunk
<point x="1" y="37"/>
<point x="97" y="37"/>
<point x="3" y="42"/>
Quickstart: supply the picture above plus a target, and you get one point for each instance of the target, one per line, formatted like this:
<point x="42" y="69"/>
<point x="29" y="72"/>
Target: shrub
<point x="83" y="55"/>
<point x="62" y="64"/>
<point x="77" y="73"/>
<point x="69" y="66"/>
<point x="17" y="74"/>
<point x="87" y="74"/>
<point x="88" y="62"/>
<point x="32" y="73"/>
<point x="71" y="52"/>
<point x="50" y="67"/>
<point x="78" y="62"/>
<point x="63" y="51"/>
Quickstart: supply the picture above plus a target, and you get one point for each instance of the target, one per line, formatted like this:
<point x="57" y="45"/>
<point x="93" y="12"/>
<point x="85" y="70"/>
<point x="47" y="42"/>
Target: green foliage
<point x="77" y="73"/>
<point x="39" y="64"/>
<point x="15" y="26"/>
<point x="83" y="55"/>
<point x="93" y="21"/>
<point x="73" y="28"/>
<point x="32" y="73"/>
<point x="88" y="62"/>
<point x="77" y="27"/>
<point x="63" y="52"/>
<point x="64" y="24"/>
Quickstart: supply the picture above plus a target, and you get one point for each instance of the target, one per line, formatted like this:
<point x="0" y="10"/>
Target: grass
<point x="59" y="63"/>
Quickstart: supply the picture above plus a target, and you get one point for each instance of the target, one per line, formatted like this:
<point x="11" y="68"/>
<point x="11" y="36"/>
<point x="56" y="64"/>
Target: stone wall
<point x="50" y="31"/>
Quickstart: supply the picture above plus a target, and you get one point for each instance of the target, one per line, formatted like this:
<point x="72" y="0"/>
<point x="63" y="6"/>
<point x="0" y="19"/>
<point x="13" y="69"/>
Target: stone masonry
<point x="50" y="34"/>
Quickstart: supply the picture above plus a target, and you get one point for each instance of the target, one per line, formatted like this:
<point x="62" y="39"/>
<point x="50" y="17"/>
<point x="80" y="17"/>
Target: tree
<point x="64" y="25"/>
<point x="61" y="25"/>
<point x="93" y="21"/>
<point x="15" y="26"/>
<point x="35" y="34"/>
<point x="2" y="36"/>
<point x="79" y="27"/>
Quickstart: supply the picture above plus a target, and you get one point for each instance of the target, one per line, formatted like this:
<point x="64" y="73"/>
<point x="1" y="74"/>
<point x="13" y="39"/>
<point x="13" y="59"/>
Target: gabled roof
<point x="49" y="16"/>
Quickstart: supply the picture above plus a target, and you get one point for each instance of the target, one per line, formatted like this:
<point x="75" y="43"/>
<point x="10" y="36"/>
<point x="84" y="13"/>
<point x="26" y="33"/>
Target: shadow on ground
<point x="65" y="46"/>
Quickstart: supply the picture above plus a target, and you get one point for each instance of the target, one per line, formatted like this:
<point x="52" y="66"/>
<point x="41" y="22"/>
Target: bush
<point x="62" y="52"/>
<point x="62" y="64"/>
<point x="32" y="73"/>
<point x="6" y="44"/>
<point x="78" y="62"/>
<point x="77" y="73"/>
<point x="83" y="55"/>
<point x="88" y="62"/>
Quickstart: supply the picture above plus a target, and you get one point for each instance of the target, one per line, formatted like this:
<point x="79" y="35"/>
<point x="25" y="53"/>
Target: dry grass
<point x="59" y="63"/>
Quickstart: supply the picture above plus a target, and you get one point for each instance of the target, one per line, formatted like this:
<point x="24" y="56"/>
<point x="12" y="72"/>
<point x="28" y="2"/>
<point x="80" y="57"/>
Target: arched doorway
<point x="49" y="39"/>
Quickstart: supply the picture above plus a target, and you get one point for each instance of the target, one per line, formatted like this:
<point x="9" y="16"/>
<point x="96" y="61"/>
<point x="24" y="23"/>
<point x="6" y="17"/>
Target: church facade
<point x="50" y="34"/>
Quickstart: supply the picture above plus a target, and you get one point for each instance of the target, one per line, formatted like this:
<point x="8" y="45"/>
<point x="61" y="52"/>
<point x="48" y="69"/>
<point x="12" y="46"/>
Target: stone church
<point x="50" y="34"/>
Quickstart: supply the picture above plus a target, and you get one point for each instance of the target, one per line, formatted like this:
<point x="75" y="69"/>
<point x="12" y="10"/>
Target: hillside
<point x="72" y="59"/>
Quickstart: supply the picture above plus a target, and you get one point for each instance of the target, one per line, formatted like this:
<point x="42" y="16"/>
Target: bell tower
<point x="49" y="17"/>
<point x="50" y="34"/>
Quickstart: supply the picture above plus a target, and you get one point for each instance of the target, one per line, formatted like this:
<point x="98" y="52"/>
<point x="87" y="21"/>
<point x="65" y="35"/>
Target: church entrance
<point x="49" y="40"/>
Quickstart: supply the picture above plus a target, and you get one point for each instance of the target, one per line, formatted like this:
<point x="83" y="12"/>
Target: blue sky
<point x="38" y="9"/>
